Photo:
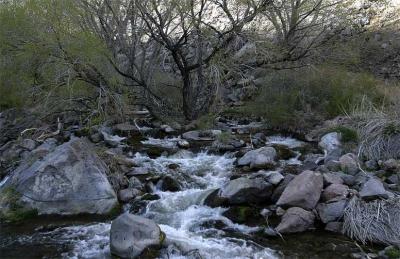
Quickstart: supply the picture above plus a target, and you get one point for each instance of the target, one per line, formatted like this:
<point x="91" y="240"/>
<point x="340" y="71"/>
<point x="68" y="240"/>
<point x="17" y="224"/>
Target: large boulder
<point x="303" y="191"/>
<point x="131" y="235"/>
<point x="295" y="220"/>
<point x="245" y="190"/>
<point x="373" y="189"/>
<point x="70" y="180"/>
<point x="262" y="158"/>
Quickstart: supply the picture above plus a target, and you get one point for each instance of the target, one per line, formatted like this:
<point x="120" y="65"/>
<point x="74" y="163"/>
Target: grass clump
<point x="392" y="253"/>
<point x="378" y="130"/>
<point x="224" y="137"/>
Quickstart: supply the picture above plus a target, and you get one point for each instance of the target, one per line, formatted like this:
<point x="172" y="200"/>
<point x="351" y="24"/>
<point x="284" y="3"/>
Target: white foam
<point x="4" y="181"/>
<point x="89" y="241"/>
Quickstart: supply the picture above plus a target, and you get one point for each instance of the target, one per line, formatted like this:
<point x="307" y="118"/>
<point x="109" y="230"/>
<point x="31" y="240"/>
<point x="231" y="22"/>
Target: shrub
<point x="348" y="134"/>
<point x="297" y="98"/>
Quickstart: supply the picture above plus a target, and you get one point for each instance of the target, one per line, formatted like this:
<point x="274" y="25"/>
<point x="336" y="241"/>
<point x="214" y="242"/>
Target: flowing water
<point x="191" y="228"/>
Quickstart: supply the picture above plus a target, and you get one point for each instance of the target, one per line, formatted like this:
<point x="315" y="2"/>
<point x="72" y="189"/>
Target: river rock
<point x="331" y="178"/>
<point x="135" y="183"/>
<point x="168" y="183"/>
<point x="390" y="165"/>
<point x="183" y="143"/>
<point x="125" y="129"/>
<point x="245" y="190"/>
<point x="296" y="220"/>
<point x="112" y="140"/>
<point x="131" y="235"/>
<point x="349" y="164"/>
<point x="373" y="189"/>
<point x="128" y="194"/>
<point x="70" y="180"/>
<point x="335" y="192"/>
<point x="281" y="187"/>
<point x="262" y="158"/>
<point x="330" y="142"/>
<point x="201" y="135"/>
<point x="331" y="211"/>
<point x="28" y="144"/>
<point x="303" y="191"/>
<point x="167" y="129"/>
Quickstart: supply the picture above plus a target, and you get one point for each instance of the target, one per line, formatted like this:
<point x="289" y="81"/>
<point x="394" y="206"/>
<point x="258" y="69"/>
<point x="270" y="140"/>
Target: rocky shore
<point x="276" y="185"/>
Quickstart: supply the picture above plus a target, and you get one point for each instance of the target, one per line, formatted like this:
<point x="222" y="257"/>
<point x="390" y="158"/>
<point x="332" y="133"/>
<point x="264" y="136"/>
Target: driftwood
<point x="377" y="221"/>
<point x="43" y="135"/>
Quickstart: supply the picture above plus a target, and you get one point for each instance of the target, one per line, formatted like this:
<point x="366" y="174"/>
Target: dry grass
<point x="377" y="221"/>
<point x="378" y="130"/>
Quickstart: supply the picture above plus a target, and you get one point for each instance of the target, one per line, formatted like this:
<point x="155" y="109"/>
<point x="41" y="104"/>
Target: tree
<point x="169" y="36"/>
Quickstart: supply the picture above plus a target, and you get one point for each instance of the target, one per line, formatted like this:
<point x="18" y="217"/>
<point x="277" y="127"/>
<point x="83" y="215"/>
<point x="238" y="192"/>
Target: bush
<point x="300" y="98"/>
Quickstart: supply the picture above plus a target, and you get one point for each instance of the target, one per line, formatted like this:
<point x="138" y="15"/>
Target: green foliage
<point x="392" y="253"/>
<point x="12" y="210"/>
<point x="41" y="47"/>
<point x="305" y="96"/>
<point x="348" y="134"/>
<point x="206" y="121"/>
<point x="224" y="137"/>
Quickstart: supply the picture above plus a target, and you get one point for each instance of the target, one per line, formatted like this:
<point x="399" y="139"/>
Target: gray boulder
<point x="70" y="180"/>
<point x="333" y="211"/>
<point x="373" y="189"/>
<point x="349" y="163"/>
<point x="295" y="220"/>
<point x="303" y="191"/>
<point x="261" y="158"/>
<point x="130" y="235"/>
<point x="245" y="190"/>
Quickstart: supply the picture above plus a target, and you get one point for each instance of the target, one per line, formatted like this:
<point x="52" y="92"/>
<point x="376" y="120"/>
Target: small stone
<point x="331" y="178"/>
<point x="280" y="212"/>
<point x="349" y="164"/>
<point x="28" y="144"/>
<point x="183" y="143"/>
<point x="373" y="189"/>
<point x="128" y="194"/>
<point x="390" y="165"/>
<point x="335" y="192"/>
<point x="296" y="220"/>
